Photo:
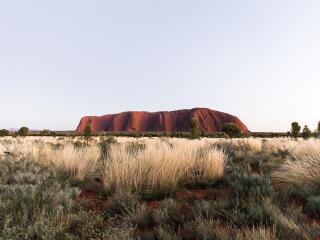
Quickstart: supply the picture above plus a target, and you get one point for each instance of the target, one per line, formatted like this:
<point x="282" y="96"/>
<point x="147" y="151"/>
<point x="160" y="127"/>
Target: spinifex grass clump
<point x="77" y="162"/>
<point x="302" y="171"/>
<point x="159" y="168"/>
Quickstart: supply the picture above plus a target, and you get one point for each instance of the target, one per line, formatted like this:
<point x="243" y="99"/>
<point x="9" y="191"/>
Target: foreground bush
<point x="35" y="203"/>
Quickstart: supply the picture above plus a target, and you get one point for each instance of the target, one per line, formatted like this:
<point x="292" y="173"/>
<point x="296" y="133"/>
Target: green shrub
<point x="306" y="132"/>
<point x="259" y="215"/>
<point x="4" y="132"/>
<point x="295" y="129"/>
<point x="249" y="188"/>
<point x="312" y="207"/>
<point x="135" y="147"/>
<point x="232" y="129"/>
<point x="79" y="144"/>
<point x="35" y="203"/>
<point x="215" y="135"/>
<point x="213" y="209"/>
<point x="24" y="131"/>
<point x="47" y="132"/>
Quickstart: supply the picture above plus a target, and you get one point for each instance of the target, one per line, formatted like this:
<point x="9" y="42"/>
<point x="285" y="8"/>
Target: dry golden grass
<point x="302" y="168"/>
<point x="165" y="162"/>
<point x="301" y="171"/>
<point x="295" y="147"/>
<point x="254" y="144"/>
<point x="161" y="166"/>
<point x="259" y="233"/>
<point x="2" y="150"/>
<point x="77" y="162"/>
<point x="281" y="218"/>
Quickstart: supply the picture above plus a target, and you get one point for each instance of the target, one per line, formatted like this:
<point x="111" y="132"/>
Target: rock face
<point x="210" y="121"/>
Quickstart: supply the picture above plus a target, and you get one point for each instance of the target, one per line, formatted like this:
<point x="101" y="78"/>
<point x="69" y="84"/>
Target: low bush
<point x="133" y="148"/>
<point x="252" y="187"/>
<point x="231" y="129"/>
<point x="37" y="205"/>
<point x="47" y="132"/>
<point x="23" y="131"/>
<point x="259" y="215"/>
<point x="312" y="207"/>
<point x="4" y="133"/>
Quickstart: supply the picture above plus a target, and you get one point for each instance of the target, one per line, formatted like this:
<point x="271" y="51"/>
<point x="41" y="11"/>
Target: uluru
<point x="210" y="121"/>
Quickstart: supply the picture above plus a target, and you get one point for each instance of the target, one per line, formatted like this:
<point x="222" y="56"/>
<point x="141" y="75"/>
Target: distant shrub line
<point x="155" y="134"/>
<point x="228" y="130"/>
<point x="136" y="134"/>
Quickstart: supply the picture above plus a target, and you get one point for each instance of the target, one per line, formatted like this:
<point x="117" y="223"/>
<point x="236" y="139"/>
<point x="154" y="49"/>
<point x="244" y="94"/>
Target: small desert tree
<point x="24" y="131"/>
<point x="318" y="129"/>
<point x="295" y="129"/>
<point x="87" y="133"/>
<point x="194" y="128"/>
<point x="45" y="132"/>
<point x="232" y="129"/>
<point x="306" y="132"/>
<point x="4" y="132"/>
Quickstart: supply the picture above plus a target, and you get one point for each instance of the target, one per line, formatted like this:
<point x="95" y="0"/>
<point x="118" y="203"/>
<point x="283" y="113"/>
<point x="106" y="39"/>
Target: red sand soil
<point x="210" y="121"/>
<point x="89" y="196"/>
<point x="154" y="204"/>
<point x="192" y="194"/>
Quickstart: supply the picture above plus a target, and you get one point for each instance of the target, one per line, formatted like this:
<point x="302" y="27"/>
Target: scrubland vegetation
<point x="159" y="188"/>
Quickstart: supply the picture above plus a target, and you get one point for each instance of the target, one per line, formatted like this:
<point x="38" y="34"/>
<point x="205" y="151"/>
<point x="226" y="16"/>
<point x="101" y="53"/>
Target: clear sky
<point x="62" y="59"/>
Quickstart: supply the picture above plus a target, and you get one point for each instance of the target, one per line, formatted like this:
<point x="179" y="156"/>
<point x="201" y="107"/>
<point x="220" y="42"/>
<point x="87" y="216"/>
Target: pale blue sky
<point x="259" y="60"/>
